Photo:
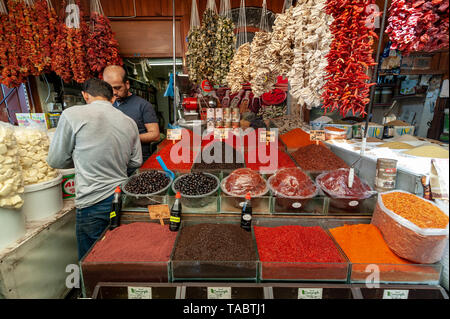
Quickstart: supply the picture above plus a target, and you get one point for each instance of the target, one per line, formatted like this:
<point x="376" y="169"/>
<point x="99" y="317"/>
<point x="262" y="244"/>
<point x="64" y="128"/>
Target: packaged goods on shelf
<point x="414" y="228"/>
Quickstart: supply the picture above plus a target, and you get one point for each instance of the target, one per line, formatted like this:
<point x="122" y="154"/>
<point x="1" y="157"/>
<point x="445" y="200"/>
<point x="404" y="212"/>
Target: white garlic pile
<point x="11" y="182"/>
<point x="33" y="148"/>
<point x="239" y="73"/>
<point x="313" y="39"/>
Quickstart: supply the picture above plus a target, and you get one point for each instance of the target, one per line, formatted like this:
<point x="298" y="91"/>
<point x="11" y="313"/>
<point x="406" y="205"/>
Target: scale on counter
<point x="190" y="108"/>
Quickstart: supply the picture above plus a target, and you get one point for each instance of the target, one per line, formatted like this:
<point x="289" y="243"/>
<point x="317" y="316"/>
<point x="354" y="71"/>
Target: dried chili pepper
<point x="350" y="56"/>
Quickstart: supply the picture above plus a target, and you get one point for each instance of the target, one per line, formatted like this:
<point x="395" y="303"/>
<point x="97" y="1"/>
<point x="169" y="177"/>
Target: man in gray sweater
<point x="102" y="143"/>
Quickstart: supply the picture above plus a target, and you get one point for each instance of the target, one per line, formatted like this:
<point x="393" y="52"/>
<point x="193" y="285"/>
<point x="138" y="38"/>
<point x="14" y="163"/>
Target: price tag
<point x="174" y="134"/>
<point x="139" y="293"/>
<point x="159" y="212"/>
<point x="310" y="293"/>
<point x="318" y="135"/>
<point x="351" y="177"/>
<point x="221" y="133"/>
<point x="267" y="136"/>
<point x="395" y="294"/>
<point x="219" y="293"/>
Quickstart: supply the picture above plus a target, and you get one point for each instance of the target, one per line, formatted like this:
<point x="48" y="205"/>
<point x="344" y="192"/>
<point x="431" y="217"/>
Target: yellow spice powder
<point x="428" y="151"/>
<point x="396" y="145"/>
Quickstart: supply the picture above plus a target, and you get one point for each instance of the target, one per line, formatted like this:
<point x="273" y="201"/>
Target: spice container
<point x="214" y="252"/>
<point x="334" y="133"/>
<point x="243" y="181"/>
<point x="414" y="228"/>
<point x="137" y="252"/>
<point x="335" y="185"/>
<point x="386" y="175"/>
<point x="347" y="127"/>
<point x="282" y="245"/>
<point x="146" y="188"/>
<point x="292" y="189"/>
<point x="197" y="189"/>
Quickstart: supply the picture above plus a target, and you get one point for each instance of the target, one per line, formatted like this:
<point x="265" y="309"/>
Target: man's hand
<point x="152" y="134"/>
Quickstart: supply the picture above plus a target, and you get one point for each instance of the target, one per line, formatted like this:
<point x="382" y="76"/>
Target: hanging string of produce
<point x="312" y="40"/>
<point x="418" y="25"/>
<point x="102" y="47"/>
<point x="225" y="43"/>
<point x="47" y="26"/>
<point x="60" y="57"/>
<point x="4" y="21"/>
<point x="193" y="57"/>
<point x="239" y="72"/>
<point x="350" y="57"/>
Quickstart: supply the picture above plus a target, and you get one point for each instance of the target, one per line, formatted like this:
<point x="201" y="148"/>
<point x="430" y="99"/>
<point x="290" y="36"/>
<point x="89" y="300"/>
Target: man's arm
<point x="151" y="124"/>
<point x="62" y="145"/>
<point x="136" y="153"/>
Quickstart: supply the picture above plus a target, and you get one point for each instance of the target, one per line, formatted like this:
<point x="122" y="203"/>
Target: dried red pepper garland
<point x="60" y="57"/>
<point x="3" y="41"/>
<point x="46" y="24"/>
<point x="102" y="47"/>
<point x="349" y="58"/>
<point x="418" y="25"/>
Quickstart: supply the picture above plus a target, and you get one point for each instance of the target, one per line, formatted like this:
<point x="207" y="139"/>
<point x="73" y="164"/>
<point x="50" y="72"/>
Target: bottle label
<point x="174" y="219"/>
<point x="112" y="215"/>
<point x="247" y="217"/>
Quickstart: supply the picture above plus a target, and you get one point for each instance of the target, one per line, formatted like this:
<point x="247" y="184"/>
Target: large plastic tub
<point x="42" y="200"/>
<point x="12" y="226"/>
<point x="198" y="201"/>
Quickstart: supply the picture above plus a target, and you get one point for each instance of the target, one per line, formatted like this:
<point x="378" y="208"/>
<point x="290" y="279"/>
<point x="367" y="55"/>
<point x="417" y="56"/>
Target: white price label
<point x="139" y="293"/>
<point x="354" y="203"/>
<point x="267" y="136"/>
<point x="174" y="134"/>
<point x="219" y="293"/>
<point x="296" y="205"/>
<point x="310" y="293"/>
<point x="395" y="294"/>
<point x="221" y="133"/>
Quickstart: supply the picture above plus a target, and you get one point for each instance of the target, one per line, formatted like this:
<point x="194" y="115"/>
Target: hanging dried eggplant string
<point x="207" y="39"/>
<point x="239" y="69"/>
<point x="193" y="57"/>
<point x="312" y="43"/>
<point x="102" y="47"/>
<point x="242" y="26"/>
<point x="225" y="44"/>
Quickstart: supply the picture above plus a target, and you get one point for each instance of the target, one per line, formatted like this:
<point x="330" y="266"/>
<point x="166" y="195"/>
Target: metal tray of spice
<point x="219" y="251"/>
<point x="298" y="250"/>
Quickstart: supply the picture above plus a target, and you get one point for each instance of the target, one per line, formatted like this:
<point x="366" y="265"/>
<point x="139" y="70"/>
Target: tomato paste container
<point x="219" y="251"/>
<point x="292" y="189"/>
<point x="298" y="250"/>
<point x="136" y="252"/>
<point x="335" y="185"/>
<point x="68" y="183"/>
<point x="242" y="181"/>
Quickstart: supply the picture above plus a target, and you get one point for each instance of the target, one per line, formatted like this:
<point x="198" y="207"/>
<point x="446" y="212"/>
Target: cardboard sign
<point x="310" y="293"/>
<point x="174" y="134"/>
<point x="139" y="293"/>
<point x="267" y="136"/>
<point x="318" y="135"/>
<point x="219" y="293"/>
<point x="159" y="212"/>
<point x="221" y="133"/>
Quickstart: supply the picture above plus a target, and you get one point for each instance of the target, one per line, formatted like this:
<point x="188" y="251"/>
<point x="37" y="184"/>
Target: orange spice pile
<point x="415" y="209"/>
<point x="364" y="244"/>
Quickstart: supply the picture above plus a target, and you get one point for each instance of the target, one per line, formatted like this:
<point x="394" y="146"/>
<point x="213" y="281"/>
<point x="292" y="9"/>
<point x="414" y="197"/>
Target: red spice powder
<point x="318" y="158"/>
<point x="283" y="161"/>
<point x="296" y="244"/>
<point x="336" y="183"/>
<point x="152" y="163"/>
<point x="135" y="242"/>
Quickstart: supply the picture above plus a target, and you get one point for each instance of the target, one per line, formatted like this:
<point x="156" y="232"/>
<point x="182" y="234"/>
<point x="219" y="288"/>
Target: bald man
<point x="140" y="110"/>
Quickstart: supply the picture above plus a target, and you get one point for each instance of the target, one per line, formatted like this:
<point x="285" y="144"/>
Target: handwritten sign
<point x="174" y="134"/>
<point x="159" y="212"/>
<point x="221" y="133"/>
<point x="318" y="135"/>
<point x="267" y="136"/>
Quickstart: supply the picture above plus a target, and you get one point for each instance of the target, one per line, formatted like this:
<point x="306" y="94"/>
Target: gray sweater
<point x="101" y="142"/>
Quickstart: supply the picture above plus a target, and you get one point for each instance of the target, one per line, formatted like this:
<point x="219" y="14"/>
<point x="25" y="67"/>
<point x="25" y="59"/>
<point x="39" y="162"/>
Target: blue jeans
<point x="91" y="222"/>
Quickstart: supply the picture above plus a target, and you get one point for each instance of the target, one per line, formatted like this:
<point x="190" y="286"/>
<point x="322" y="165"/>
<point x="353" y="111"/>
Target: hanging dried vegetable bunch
<point x="102" y="47"/>
<point x="351" y="55"/>
<point x="3" y="36"/>
<point x="45" y="28"/>
<point x="239" y="73"/>
<point x="418" y="25"/>
<point x="224" y="49"/>
<point x="312" y="43"/>
<point x="193" y="56"/>
<point x="60" y="55"/>
<point x="261" y="75"/>
<point x="208" y="40"/>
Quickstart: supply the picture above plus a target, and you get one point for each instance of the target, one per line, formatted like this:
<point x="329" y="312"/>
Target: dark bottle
<point x="116" y="208"/>
<point x="175" y="214"/>
<point x="246" y="216"/>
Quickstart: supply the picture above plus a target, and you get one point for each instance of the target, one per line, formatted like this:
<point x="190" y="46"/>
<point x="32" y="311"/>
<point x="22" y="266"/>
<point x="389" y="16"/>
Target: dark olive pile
<point x="195" y="184"/>
<point x="148" y="182"/>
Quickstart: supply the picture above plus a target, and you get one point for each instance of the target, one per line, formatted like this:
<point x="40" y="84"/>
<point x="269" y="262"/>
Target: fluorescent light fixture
<point x="164" y="62"/>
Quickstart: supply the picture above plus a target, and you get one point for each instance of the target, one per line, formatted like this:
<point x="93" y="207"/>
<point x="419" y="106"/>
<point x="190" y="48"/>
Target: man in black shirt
<point x="140" y="110"/>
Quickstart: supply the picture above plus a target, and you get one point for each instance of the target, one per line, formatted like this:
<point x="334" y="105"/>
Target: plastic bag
<point x="264" y="22"/>
<point x="225" y="9"/>
<point x="292" y="182"/>
<point x="286" y="5"/>
<point x="242" y="26"/>
<point x="195" y="18"/>
<point x="243" y="181"/>
<point x="335" y="183"/>
<point x="11" y="178"/>
<point x="406" y="239"/>
<point x="73" y="15"/>
<point x="96" y="7"/>
<point x="3" y="9"/>
<point x="211" y="5"/>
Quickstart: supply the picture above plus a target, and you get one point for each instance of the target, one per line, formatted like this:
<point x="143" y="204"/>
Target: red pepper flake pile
<point x="102" y="47"/>
<point x="350" y="57"/>
<point x="165" y="154"/>
<point x="136" y="242"/>
<point x="418" y="25"/>
<point x="296" y="244"/>
<point x="317" y="158"/>
<point x="282" y="161"/>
